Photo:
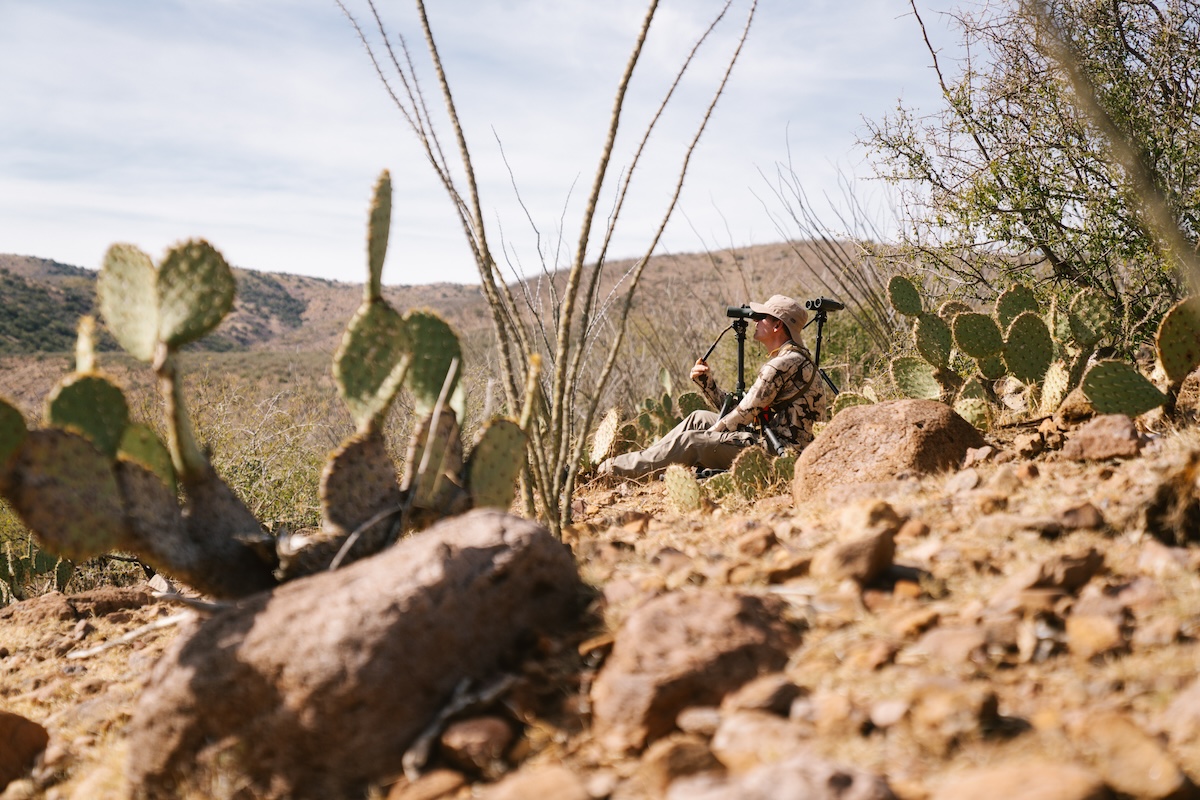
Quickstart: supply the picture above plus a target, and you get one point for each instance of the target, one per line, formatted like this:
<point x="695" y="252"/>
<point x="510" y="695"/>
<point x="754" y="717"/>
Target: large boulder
<point x="317" y="688"/>
<point x="880" y="442"/>
<point x="686" y="648"/>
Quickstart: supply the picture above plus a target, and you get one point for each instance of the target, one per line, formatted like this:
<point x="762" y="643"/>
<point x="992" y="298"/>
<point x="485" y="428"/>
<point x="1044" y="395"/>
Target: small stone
<point x="1090" y="635"/>
<point x="749" y="738"/>
<point x="1107" y="436"/>
<point x="1081" y="517"/>
<point x="1131" y="761"/>
<point x="1028" y="471"/>
<point x="863" y="559"/>
<point x="756" y="541"/>
<point x="1004" y="480"/>
<point x="1025" y="779"/>
<point x="771" y="693"/>
<point x="962" y="481"/>
<point x="945" y="713"/>
<point x="554" y="781"/>
<point x="432" y="785"/>
<point x="673" y="757"/>
<point x="978" y="455"/>
<point x="1029" y="445"/>
<point x="476" y="744"/>
<point x="701" y="720"/>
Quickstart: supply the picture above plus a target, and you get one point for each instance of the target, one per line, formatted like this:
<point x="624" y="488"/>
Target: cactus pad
<point x="1028" y="348"/>
<point x="951" y="309"/>
<point x="12" y="431"/>
<point x="689" y="402"/>
<point x="1055" y="387"/>
<point x="845" y="400"/>
<point x="993" y="367"/>
<point x="371" y="362"/>
<point x="933" y="340"/>
<point x="784" y="468"/>
<point x="1013" y="302"/>
<point x="1090" y="317"/>
<point x="142" y="445"/>
<point x="495" y="463"/>
<point x="683" y="490"/>
<point x="90" y="405"/>
<point x="973" y="390"/>
<point x="605" y="437"/>
<point x="64" y="490"/>
<point x="904" y="296"/>
<point x="719" y="486"/>
<point x="357" y="483"/>
<point x="378" y="225"/>
<point x="129" y="300"/>
<point x="1178" y="340"/>
<point x="975" y="410"/>
<point x="1115" y="387"/>
<point x="977" y="335"/>
<point x="434" y="346"/>
<point x="916" y="378"/>
<point x="752" y="472"/>
<point x="195" y="292"/>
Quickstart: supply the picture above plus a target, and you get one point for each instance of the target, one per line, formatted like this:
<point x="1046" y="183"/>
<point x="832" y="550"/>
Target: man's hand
<point x="700" y="371"/>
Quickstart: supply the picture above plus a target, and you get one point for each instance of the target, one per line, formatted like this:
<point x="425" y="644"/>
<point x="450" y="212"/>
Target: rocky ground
<point x="1023" y="626"/>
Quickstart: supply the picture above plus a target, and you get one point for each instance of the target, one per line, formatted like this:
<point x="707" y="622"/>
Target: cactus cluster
<point x="753" y="474"/>
<point x="1045" y="354"/>
<point x="91" y="481"/>
<point x="18" y="569"/>
<point x="1050" y="355"/>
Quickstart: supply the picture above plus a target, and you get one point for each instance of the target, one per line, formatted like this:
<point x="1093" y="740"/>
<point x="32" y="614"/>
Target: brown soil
<point x="861" y="648"/>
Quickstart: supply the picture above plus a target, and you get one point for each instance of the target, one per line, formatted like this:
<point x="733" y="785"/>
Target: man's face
<point x="764" y="328"/>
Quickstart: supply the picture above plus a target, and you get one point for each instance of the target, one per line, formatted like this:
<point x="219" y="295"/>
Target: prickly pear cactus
<point x="683" y="490"/>
<point x="358" y="484"/>
<point x="142" y="445"/>
<point x="846" y="400"/>
<point x="372" y="361"/>
<point x="1028" y="348"/>
<point x="1056" y="385"/>
<point x="916" y="378"/>
<point x="1090" y="317"/>
<point x="605" y="437"/>
<point x="495" y="463"/>
<point x="1115" y="387"/>
<point x="435" y="350"/>
<point x="951" y="309"/>
<point x="784" y="468"/>
<point x="64" y="490"/>
<point x="128" y="299"/>
<point x="92" y="406"/>
<point x="12" y="432"/>
<point x="975" y="410"/>
<point x="752" y="472"/>
<point x="934" y="340"/>
<point x="195" y="291"/>
<point x="433" y="464"/>
<point x="1178" y="340"/>
<point x="1018" y="299"/>
<point x="977" y="335"/>
<point x="689" y="402"/>
<point x="904" y="296"/>
<point x="720" y="486"/>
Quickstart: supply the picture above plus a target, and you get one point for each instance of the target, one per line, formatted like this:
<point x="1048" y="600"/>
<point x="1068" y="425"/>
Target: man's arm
<point x="702" y="376"/>
<point x="759" y="398"/>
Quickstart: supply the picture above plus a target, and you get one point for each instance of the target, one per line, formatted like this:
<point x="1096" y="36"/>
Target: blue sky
<point x="261" y="126"/>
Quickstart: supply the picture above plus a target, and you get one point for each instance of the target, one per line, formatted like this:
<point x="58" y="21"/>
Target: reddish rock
<point x="536" y="783"/>
<point x="1106" y="436"/>
<point x="804" y="776"/>
<point x="1131" y="761"/>
<point x="327" y="680"/>
<point x="21" y="740"/>
<point x="746" y="739"/>
<point x="477" y="744"/>
<point x="863" y="560"/>
<point x="1027" y="779"/>
<point x="431" y="786"/>
<point x="944" y="713"/>
<point x="687" y="648"/>
<point x="673" y="757"/>
<point x="872" y="443"/>
<point x="772" y="693"/>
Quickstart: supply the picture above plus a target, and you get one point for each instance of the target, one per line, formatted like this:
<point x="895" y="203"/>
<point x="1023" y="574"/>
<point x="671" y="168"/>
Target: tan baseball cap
<point x="786" y="310"/>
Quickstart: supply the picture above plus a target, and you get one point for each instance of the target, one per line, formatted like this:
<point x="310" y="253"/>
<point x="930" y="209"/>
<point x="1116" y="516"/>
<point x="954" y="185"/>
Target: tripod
<point x="820" y="316"/>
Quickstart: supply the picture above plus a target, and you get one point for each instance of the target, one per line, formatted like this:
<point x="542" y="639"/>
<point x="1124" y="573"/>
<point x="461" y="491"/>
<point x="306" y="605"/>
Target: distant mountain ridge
<point x="41" y="301"/>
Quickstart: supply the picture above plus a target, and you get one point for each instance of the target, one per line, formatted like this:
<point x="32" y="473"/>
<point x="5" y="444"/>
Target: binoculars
<point x="742" y="312"/>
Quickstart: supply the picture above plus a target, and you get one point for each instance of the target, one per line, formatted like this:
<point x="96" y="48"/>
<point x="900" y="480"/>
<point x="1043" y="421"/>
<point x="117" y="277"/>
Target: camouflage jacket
<point x="787" y="388"/>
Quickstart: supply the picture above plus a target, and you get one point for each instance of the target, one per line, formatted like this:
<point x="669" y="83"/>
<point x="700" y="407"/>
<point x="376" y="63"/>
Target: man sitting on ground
<point x="787" y="397"/>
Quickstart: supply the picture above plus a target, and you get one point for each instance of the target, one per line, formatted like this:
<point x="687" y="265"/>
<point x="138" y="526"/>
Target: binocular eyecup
<point x="824" y="304"/>
<point x="742" y="312"/>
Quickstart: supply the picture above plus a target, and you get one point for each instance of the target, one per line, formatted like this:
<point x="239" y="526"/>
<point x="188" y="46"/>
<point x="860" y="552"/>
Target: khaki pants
<point x="689" y="443"/>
